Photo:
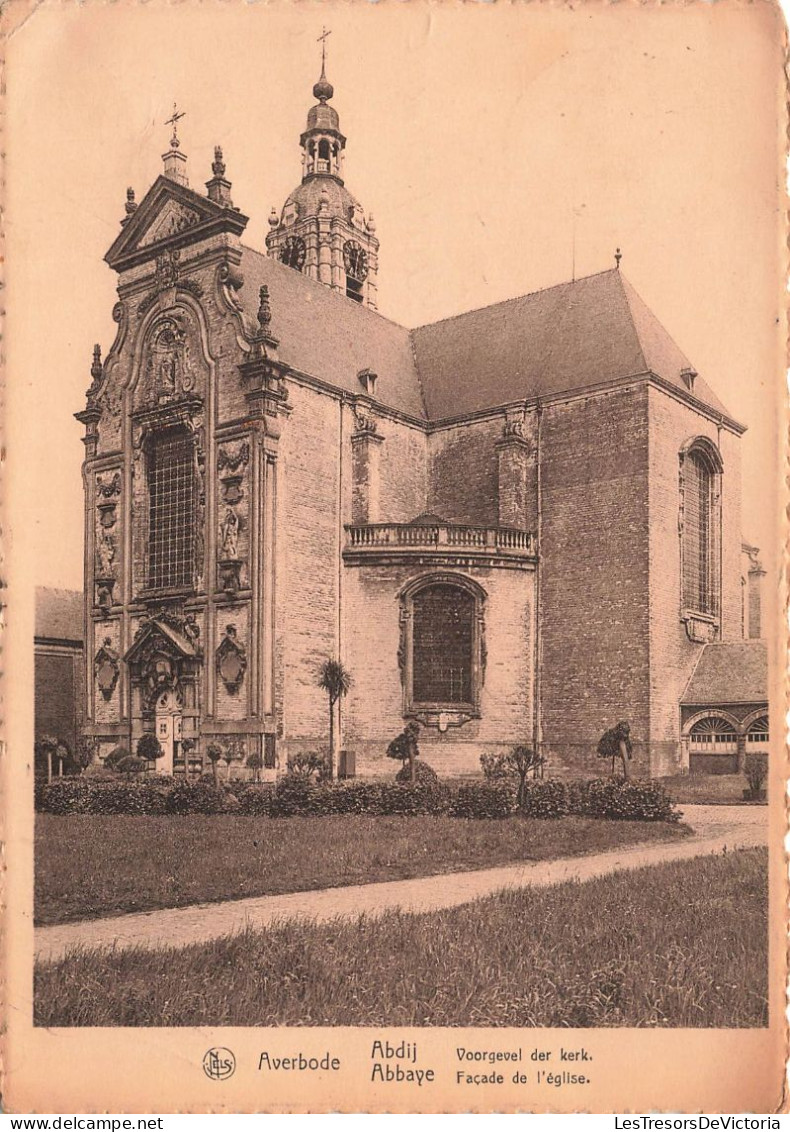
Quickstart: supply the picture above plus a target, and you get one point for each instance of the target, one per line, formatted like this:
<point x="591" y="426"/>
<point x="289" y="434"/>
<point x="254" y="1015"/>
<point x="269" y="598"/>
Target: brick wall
<point x="672" y="655"/>
<point x="594" y="576"/>
<point x="373" y="712"/>
<point x="58" y="692"/>
<point x="462" y="477"/>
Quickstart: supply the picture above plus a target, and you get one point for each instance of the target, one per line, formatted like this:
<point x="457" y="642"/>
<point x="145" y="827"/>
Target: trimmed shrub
<point x="358" y="798"/>
<point x="132" y="764"/>
<point x="544" y="798"/>
<point x="115" y="756"/>
<point x="194" y="798"/>
<point x="294" y="795"/>
<point x="412" y="800"/>
<point x="149" y="748"/>
<point x="256" y="800"/>
<point x="484" y="800"/>
<point x="424" y="775"/>
<point x="66" y="795"/>
<point x="627" y="801"/>
<point x="756" y="770"/>
<point x="106" y="796"/>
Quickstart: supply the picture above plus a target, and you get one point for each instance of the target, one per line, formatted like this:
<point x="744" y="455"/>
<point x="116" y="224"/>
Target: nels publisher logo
<point x="219" y="1063"/>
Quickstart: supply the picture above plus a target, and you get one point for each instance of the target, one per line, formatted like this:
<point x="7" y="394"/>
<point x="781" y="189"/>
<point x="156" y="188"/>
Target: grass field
<point x="89" y="865"/>
<point x="681" y="944"/>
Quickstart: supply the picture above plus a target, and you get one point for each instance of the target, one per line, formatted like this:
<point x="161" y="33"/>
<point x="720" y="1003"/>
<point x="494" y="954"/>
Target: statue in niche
<point x="229" y="532"/>
<point x="167" y="369"/>
<point x="105" y="555"/>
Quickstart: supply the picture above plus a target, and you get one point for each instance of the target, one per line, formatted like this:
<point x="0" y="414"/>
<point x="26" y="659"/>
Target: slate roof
<point x="563" y="339"/>
<point x="729" y="672"/>
<point x="59" y="614"/>
<point x="328" y="336"/>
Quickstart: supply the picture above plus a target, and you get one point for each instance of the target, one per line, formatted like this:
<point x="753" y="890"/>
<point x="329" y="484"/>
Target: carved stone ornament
<point x="364" y="421"/>
<point x="231" y="660"/>
<point x="233" y="459"/>
<point x="700" y="630"/>
<point x="106" y="669"/>
<point x="173" y="218"/>
<point x="104" y="593"/>
<point x="108" y="490"/>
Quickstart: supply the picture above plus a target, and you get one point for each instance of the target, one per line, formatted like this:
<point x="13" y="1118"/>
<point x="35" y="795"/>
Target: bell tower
<point x="322" y="230"/>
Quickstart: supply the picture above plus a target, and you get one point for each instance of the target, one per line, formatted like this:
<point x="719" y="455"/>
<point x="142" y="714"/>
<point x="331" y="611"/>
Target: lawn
<point x="712" y="789"/>
<point x="91" y="865"/>
<point x="681" y="944"/>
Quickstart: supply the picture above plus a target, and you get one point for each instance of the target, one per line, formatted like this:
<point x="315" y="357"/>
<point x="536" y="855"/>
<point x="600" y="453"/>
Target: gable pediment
<point x="170" y="215"/>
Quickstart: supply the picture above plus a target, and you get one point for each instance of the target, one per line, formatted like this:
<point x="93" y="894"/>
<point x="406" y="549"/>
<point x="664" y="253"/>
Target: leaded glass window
<point x="443" y="643"/>
<point x="171" y="510"/>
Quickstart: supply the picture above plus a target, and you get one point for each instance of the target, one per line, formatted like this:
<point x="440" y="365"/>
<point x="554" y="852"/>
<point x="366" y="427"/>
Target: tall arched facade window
<point x="171" y="509"/>
<point x="700" y="486"/>
<point x="442" y="650"/>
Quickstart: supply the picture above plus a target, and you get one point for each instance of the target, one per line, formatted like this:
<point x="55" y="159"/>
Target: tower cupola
<point x="322" y="230"/>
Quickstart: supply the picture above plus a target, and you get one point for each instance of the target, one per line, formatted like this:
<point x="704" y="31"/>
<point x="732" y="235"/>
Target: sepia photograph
<point x="395" y="433"/>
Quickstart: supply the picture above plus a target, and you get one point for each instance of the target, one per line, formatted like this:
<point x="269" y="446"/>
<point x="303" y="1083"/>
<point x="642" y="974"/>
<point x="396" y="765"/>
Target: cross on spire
<point x="173" y="121"/>
<point x="322" y="40"/>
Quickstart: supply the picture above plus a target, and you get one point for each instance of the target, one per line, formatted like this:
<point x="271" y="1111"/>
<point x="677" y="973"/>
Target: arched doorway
<point x="168" y="731"/>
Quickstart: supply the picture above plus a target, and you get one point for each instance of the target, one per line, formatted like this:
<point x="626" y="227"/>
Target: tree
<point x="405" y="748"/>
<point x="214" y="754"/>
<point x="519" y="762"/>
<point x="616" y="744"/>
<point x="336" y="682"/>
<point x="255" y="764"/>
<point x="149" y="748"/>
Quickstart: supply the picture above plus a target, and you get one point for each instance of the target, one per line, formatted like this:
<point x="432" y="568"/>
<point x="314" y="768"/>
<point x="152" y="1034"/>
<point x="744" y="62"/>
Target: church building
<point x="518" y="525"/>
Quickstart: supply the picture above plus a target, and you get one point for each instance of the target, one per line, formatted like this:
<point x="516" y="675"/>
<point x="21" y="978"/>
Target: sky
<point x="501" y="147"/>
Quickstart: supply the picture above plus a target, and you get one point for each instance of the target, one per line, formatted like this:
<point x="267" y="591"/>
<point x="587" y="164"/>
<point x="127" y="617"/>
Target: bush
<point x="256" y="800"/>
<point x="411" y="800"/>
<point x="424" y="775"/>
<point x="149" y="748"/>
<point x="132" y="764"/>
<point x="115" y="756"/>
<point x="194" y="798"/>
<point x="293" y="795"/>
<point x="544" y="798"/>
<point x="106" y="796"/>
<point x="308" y="765"/>
<point x="627" y="801"/>
<point x="66" y="795"/>
<point x="358" y="798"/>
<point x="756" y="770"/>
<point x="484" y="800"/>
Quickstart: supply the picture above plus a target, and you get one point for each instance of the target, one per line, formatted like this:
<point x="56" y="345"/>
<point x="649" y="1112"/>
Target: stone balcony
<point x="438" y="543"/>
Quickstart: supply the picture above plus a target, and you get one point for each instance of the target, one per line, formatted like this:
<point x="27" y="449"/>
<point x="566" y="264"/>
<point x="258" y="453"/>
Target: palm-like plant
<point x="336" y="682"/>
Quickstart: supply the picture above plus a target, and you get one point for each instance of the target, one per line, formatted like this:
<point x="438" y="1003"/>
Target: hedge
<point x="295" y="795"/>
<point x="484" y="800"/>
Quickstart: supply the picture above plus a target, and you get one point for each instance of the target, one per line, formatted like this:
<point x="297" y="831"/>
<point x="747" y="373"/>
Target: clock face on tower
<point x="292" y="253"/>
<point x="355" y="259"/>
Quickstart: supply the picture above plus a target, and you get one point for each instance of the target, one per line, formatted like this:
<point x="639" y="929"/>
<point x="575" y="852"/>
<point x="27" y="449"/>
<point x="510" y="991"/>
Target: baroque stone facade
<point x="494" y="522"/>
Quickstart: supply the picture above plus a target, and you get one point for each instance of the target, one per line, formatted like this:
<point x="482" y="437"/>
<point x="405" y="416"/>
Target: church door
<point x="168" y="732"/>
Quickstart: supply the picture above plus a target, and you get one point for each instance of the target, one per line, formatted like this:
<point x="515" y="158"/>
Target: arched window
<point x="442" y="646"/>
<point x="757" y="735"/>
<point x="171" y="509"/>
<point x="713" y="746"/>
<point x="701" y="528"/>
<point x="713" y="736"/>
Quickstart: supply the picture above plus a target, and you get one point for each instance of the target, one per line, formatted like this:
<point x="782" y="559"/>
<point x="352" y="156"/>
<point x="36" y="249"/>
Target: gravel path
<point x="716" y="829"/>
